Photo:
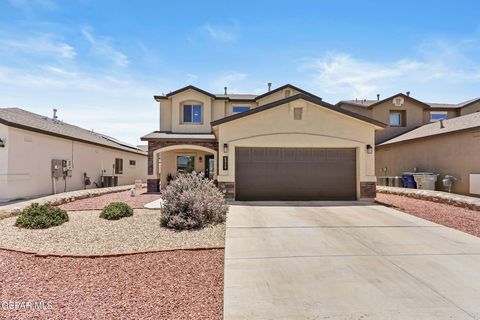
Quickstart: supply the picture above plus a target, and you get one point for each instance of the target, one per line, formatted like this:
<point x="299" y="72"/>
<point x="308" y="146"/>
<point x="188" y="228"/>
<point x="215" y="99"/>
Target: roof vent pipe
<point x="225" y="88"/>
<point x="269" y="86"/>
<point x="378" y="97"/>
<point x="441" y="124"/>
<point x="55" y="114"/>
<point x="408" y="93"/>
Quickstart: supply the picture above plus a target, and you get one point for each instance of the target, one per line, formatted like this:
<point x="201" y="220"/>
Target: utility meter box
<point x="57" y="168"/>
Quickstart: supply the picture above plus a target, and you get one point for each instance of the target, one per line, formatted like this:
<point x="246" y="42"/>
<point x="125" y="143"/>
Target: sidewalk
<point x="14" y="208"/>
<point x="437" y="196"/>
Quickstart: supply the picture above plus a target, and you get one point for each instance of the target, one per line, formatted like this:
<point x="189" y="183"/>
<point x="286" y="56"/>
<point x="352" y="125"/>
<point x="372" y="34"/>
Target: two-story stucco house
<point x="285" y="144"/>
<point x="403" y="113"/>
<point x="434" y="137"/>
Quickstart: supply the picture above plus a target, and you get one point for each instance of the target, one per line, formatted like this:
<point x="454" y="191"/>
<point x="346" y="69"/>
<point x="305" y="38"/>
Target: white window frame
<point x="438" y="112"/>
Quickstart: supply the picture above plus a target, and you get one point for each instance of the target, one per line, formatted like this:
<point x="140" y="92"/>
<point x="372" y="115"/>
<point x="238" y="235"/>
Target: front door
<point x="209" y="166"/>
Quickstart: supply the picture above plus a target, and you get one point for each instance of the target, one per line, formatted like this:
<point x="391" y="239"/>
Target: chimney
<point x="441" y="124"/>
<point x="378" y="97"/>
<point x="408" y="93"/>
<point x="225" y="88"/>
<point x="55" y="114"/>
<point x="269" y="86"/>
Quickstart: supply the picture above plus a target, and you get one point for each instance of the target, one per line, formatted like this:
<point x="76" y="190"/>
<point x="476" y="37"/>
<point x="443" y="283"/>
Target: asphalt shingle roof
<point x="468" y="121"/>
<point x="23" y="119"/>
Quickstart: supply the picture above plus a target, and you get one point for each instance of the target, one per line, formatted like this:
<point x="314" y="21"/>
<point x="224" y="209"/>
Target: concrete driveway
<point x="346" y="260"/>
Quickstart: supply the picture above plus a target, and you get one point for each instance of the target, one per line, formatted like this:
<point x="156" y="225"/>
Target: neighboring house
<point x="447" y="147"/>
<point x="403" y="113"/>
<point x="33" y="146"/>
<point x="286" y="144"/>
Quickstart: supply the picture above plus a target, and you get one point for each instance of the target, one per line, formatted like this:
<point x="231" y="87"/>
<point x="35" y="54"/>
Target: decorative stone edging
<point x="457" y="200"/>
<point x="60" y="198"/>
<point x="108" y="255"/>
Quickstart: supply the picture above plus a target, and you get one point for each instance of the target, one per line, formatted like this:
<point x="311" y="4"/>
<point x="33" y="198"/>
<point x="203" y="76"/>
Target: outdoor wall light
<point x="225" y="148"/>
<point x="369" y="149"/>
<point x="2" y="143"/>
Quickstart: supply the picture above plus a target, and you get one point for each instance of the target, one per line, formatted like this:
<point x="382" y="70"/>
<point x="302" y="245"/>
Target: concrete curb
<point x="60" y="198"/>
<point x="108" y="255"/>
<point x="461" y="201"/>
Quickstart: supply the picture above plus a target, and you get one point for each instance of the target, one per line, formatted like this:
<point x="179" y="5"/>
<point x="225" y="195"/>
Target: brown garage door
<point x="295" y="174"/>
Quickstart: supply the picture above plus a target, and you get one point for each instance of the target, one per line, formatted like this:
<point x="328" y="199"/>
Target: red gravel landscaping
<point x="451" y="216"/>
<point x="98" y="203"/>
<point x="170" y="285"/>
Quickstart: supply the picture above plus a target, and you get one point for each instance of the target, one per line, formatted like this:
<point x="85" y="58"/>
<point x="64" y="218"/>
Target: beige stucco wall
<point x="470" y="109"/>
<point x="451" y="113"/>
<point x="3" y="152"/>
<point x="166" y="115"/>
<point x="229" y="106"/>
<point x="29" y="164"/>
<point x="169" y="162"/>
<point x="192" y="96"/>
<point x="218" y="109"/>
<point x="381" y="112"/>
<point x="319" y="128"/>
<point x="453" y="154"/>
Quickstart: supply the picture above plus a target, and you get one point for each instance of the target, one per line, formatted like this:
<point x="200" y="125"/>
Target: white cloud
<point x="102" y="46"/>
<point x="438" y="64"/>
<point x="45" y="44"/>
<point x="221" y="33"/>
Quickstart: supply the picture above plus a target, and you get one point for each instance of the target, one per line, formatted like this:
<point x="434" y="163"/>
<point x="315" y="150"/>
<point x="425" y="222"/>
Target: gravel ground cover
<point x="98" y="203"/>
<point x="167" y="285"/>
<point x="462" y="219"/>
<point x="87" y="234"/>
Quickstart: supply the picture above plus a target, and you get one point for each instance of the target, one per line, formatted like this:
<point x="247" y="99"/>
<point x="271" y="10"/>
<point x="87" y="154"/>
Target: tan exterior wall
<point x="186" y="97"/>
<point x="169" y="162"/>
<point x="218" y="109"/>
<point x="166" y="115"/>
<point x="3" y="153"/>
<point x="455" y="154"/>
<point x="229" y="106"/>
<point x="450" y="114"/>
<point x="381" y="112"/>
<point x="29" y="164"/>
<point x="470" y="109"/>
<point x="319" y="128"/>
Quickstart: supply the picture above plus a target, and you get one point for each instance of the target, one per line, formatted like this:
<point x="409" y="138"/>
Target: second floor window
<point x="238" y="109"/>
<point x="192" y="113"/>
<point x="438" y="115"/>
<point x="397" y="119"/>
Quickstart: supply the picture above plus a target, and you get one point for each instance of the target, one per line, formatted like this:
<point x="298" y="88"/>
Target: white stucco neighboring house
<point x="41" y="155"/>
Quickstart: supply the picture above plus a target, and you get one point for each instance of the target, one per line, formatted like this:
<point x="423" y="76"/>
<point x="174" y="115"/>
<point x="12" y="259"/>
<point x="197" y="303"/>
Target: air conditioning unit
<point x="109" y="181"/>
<point x="474" y="183"/>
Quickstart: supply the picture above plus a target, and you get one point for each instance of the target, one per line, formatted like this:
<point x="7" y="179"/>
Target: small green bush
<point x="116" y="210"/>
<point x="41" y="216"/>
<point x="191" y="201"/>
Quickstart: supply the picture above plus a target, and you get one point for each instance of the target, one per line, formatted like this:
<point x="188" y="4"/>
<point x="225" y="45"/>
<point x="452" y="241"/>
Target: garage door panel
<point x="295" y="174"/>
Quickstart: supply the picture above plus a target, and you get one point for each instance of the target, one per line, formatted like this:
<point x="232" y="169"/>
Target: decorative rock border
<point x="60" y="198"/>
<point x="458" y="200"/>
<point x="108" y="255"/>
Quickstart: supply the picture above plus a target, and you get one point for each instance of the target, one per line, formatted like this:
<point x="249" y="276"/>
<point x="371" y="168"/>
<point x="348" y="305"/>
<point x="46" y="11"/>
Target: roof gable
<point x="285" y="87"/>
<point x="308" y="98"/>
<point x="189" y="87"/>
<point x="423" y="104"/>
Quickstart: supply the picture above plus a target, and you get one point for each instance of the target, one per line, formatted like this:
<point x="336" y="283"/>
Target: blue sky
<point x="100" y="62"/>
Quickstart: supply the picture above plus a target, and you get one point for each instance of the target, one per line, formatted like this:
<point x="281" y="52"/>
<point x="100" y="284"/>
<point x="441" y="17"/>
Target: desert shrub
<point x="191" y="201"/>
<point x="116" y="210"/>
<point x="41" y="216"/>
